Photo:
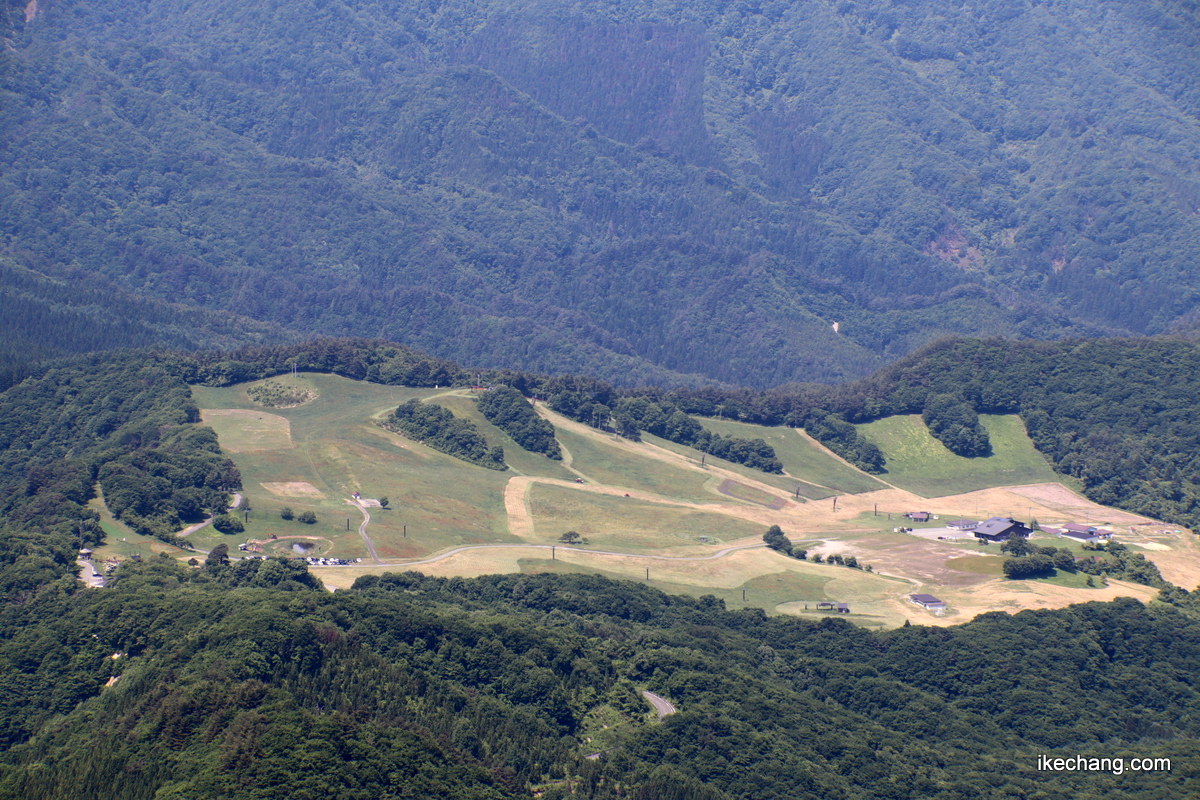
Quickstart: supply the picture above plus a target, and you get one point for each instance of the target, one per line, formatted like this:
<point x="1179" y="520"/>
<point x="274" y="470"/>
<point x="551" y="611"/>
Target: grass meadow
<point x="803" y="459"/>
<point x="921" y="464"/>
<point x="601" y="462"/>
<point x="628" y="523"/>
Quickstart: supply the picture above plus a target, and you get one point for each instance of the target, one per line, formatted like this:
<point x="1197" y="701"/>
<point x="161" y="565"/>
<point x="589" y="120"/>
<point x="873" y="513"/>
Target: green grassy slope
<point x="438" y="500"/>
<point x="802" y="459"/>
<point x="918" y="462"/>
<point x="593" y="457"/>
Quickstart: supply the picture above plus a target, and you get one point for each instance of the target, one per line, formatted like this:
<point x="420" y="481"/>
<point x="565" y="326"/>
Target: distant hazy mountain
<point x="641" y="191"/>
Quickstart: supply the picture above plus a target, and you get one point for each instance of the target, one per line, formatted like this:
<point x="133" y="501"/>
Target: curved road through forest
<point x="662" y="706"/>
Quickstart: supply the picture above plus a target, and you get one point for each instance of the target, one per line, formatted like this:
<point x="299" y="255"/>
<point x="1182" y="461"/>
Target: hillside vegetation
<point x="240" y="679"/>
<point x="488" y="688"/>
<point x="643" y="192"/>
<point x="923" y="465"/>
<point x="1116" y="414"/>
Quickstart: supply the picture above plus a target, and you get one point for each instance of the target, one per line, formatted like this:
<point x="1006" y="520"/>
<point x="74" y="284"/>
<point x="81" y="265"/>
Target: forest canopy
<point x="643" y="192"/>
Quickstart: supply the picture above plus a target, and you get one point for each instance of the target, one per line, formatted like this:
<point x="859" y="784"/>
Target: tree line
<point x="508" y="410"/>
<point x="436" y="427"/>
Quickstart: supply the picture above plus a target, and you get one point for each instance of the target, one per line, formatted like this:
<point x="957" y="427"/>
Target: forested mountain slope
<point x="489" y="688"/>
<point x="642" y="192"/>
<point x="244" y="680"/>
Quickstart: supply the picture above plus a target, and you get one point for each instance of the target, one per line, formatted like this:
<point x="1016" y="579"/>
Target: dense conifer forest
<point x="644" y="192"/>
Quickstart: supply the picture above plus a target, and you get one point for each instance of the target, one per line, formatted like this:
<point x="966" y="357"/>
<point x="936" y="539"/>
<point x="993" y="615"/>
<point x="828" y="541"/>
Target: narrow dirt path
<point x="568" y="460"/>
<point x="520" y="522"/>
<point x="362" y="529"/>
<point x="516" y="506"/>
<point x="237" y="503"/>
<point x="193" y="528"/>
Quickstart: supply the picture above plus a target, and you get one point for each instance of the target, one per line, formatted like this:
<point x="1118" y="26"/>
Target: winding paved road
<point x="662" y="706"/>
<point x="362" y="529"/>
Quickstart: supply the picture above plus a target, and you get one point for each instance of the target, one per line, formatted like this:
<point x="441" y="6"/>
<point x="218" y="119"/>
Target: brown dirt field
<point x="900" y="554"/>
<point x="727" y="572"/>
<point x="293" y="489"/>
<point x="966" y="603"/>
<point x="1047" y="503"/>
<point x="1059" y="498"/>
<point x="1180" y="562"/>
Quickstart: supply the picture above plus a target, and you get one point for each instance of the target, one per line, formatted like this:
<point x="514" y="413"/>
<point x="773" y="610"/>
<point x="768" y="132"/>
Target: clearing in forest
<point x="245" y="430"/>
<point x="662" y="513"/>
<point x="820" y="473"/>
<point x="921" y="464"/>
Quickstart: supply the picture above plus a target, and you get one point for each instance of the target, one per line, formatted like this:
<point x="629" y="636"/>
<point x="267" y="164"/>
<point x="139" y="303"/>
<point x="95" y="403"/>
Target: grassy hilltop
<point x="692" y="523"/>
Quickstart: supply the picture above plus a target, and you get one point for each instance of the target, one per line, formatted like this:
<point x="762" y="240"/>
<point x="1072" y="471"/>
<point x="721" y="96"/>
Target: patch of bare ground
<point x="900" y="554"/>
<point x="1175" y="551"/>
<point x="1057" y="497"/>
<point x="516" y="506"/>
<point x="1046" y="502"/>
<point x="965" y="603"/>
<point x="292" y="489"/>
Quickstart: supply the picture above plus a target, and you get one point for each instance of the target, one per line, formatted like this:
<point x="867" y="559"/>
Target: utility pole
<point x="552" y="556"/>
